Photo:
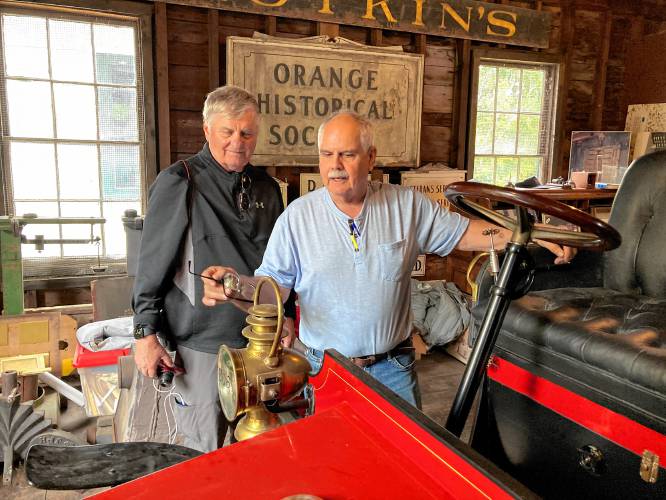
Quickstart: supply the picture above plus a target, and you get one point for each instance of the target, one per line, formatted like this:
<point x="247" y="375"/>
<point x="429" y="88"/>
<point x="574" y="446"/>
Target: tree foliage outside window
<point x="512" y="121"/>
<point x="72" y="118"/>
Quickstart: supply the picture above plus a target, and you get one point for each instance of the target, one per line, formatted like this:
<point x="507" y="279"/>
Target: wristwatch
<point x="140" y="332"/>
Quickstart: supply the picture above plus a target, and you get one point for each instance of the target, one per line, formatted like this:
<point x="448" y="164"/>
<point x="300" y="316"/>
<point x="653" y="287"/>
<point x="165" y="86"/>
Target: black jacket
<point x="166" y="297"/>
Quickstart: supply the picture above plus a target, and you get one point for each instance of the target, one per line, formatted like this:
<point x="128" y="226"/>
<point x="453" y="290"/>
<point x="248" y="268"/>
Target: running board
<point x="82" y="467"/>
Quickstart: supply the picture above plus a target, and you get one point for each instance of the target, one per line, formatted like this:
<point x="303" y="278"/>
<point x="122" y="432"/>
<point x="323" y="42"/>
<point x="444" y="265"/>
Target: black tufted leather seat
<point x="610" y="338"/>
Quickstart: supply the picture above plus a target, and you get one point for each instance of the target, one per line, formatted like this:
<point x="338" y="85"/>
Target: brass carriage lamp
<point x="262" y="374"/>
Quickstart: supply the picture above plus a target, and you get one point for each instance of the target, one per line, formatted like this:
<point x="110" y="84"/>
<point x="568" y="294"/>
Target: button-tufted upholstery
<point x="610" y="338"/>
<point x="639" y="214"/>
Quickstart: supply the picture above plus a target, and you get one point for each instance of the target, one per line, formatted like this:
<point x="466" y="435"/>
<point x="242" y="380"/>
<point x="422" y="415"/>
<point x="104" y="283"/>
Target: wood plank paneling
<point x="435" y="143"/>
<point x="213" y="50"/>
<point x="162" y="86"/>
<point x="188" y="54"/>
<point x="187" y="32"/>
<point x="602" y="64"/>
<point x="355" y="33"/>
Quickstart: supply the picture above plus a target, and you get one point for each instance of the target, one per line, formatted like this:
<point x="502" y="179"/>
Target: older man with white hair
<point x="348" y="251"/>
<point x="212" y="207"/>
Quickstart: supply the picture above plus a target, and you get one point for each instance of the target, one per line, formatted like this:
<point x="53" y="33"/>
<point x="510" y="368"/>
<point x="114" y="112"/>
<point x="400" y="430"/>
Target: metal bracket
<point x="649" y="467"/>
<point x="269" y="385"/>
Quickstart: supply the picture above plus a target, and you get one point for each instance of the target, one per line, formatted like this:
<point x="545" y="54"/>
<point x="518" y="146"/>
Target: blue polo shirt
<point x="357" y="302"/>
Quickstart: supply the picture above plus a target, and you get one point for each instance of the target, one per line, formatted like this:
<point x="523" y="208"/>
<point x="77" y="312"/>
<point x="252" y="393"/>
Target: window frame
<point x="102" y="10"/>
<point x="141" y="15"/>
<point x="555" y="61"/>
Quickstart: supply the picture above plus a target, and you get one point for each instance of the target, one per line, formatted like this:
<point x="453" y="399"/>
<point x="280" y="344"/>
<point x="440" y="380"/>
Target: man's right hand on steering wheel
<point x="475" y="240"/>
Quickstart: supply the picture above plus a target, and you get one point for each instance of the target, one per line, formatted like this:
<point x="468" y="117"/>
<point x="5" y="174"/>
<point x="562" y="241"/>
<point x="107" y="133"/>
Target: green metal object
<point x="11" y="265"/>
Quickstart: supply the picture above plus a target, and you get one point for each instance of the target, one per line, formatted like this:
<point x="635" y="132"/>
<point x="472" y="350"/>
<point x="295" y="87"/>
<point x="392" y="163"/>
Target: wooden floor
<point x="439" y="375"/>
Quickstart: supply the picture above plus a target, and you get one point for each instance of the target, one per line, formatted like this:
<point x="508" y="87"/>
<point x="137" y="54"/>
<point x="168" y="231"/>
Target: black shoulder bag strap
<point x="189" y="191"/>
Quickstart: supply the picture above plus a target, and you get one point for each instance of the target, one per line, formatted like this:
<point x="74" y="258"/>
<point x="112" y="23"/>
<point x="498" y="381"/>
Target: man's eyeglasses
<point x="234" y="284"/>
<point x="244" y="194"/>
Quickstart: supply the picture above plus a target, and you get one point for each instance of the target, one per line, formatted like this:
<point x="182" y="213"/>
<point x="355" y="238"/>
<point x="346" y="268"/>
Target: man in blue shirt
<point x="348" y="251"/>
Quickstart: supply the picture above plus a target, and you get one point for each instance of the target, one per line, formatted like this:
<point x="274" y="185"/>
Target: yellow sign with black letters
<point x="485" y="21"/>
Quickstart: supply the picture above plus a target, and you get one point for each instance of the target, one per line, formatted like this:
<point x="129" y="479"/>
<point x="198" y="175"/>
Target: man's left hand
<point x="563" y="255"/>
<point x="288" y="333"/>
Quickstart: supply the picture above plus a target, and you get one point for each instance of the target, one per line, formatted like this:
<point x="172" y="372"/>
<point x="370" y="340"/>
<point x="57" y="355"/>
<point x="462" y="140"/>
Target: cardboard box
<point x="52" y="333"/>
<point x="460" y="348"/>
<point x="432" y="184"/>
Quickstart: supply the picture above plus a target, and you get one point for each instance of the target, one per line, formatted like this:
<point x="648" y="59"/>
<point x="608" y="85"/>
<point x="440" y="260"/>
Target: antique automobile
<point x="572" y="382"/>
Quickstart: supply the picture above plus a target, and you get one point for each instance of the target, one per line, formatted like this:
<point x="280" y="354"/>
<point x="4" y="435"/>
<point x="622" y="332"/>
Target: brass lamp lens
<point x="228" y="382"/>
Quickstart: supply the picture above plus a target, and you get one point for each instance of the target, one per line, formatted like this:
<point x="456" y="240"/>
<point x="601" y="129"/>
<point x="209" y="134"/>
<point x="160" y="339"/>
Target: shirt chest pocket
<point x="392" y="260"/>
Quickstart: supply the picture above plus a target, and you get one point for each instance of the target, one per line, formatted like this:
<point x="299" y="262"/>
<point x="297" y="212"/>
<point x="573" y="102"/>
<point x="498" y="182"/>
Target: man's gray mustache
<point x="338" y="174"/>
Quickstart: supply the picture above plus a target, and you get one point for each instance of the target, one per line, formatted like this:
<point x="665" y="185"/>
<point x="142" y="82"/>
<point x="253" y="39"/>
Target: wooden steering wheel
<point x="594" y="234"/>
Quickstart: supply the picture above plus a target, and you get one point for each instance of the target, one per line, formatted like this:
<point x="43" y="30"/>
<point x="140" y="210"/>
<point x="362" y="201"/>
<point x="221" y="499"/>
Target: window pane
<point x="50" y="231"/>
<point x="487" y="80"/>
<point x="71" y="51"/>
<point x="528" y="138"/>
<point x="29" y="109"/>
<point x="80" y="231"/>
<point x="508" y="89"/>
<point x="507" y="170"/>
<point x="505" y="133"/>
<point x="483" y="140"/>
<point x="529" y="167"/>
<point x="33" y="171"/>
<point x="114" y="54"/>
<point x="81" y="124"/>
<point x="117" y="114"/>
<point x="78" y="171"/>
<point x="121" y="179"/>
<point x="114" y="231"/>
<point x="532" y="91"/>
<point x="483" y="169"/>
<point x="26" y="52"/>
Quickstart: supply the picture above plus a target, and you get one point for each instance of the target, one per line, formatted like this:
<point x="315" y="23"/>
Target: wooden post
<point x="600" y="82"/>
<point x="270" y="25"/>
<point x="375" y="36"/>
<point x="421" y="43"/>
<point x="463" y="76"/>
<point x="559" y="167"/>
<point x="162" y="83"/>
<point x="329" y="29"/>
<point x="213" y="49"/>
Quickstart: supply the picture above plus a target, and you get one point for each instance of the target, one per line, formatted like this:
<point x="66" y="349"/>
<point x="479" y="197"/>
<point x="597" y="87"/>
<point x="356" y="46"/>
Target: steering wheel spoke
<point x="564" y="236"/>
<point x="492" y="215"/>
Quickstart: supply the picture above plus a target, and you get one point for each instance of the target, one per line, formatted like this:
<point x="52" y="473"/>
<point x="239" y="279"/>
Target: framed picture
<point x="604" y="153"/>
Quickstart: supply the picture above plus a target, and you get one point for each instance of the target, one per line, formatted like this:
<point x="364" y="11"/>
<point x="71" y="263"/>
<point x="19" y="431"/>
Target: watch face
<point x="139" y="333"/>
<point x="227" y="381"/>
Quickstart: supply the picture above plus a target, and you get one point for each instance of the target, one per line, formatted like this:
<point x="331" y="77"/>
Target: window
<point x="73" y="132"/>
<point x="512" y="119"/>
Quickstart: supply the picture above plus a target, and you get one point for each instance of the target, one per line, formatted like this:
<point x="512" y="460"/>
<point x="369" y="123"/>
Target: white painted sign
<point x="419" y="266"/>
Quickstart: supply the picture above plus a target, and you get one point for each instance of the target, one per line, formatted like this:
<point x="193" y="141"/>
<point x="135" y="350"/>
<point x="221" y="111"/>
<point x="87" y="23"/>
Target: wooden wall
<point x="590" y="36"/>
